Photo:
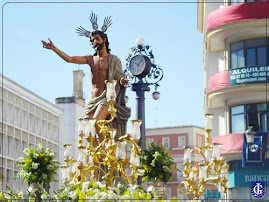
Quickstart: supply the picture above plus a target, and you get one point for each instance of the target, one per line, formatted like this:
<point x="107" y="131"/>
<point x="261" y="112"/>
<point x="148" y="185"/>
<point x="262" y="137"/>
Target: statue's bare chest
<point x="99" y="69"/>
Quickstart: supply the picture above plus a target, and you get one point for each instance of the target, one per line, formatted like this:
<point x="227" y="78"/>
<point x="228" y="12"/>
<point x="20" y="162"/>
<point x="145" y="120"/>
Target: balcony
<point x="229" y="87"/>
<point x="236" y="21"/>
<point x="232" y="143"/>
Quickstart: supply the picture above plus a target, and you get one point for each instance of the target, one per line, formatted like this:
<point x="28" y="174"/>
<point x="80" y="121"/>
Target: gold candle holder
<point x="212" y="168"/>
<point x="107" y="152"/>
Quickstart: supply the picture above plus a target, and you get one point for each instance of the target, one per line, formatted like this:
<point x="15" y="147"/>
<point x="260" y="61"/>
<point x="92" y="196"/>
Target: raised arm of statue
<point x="71" y="59"/>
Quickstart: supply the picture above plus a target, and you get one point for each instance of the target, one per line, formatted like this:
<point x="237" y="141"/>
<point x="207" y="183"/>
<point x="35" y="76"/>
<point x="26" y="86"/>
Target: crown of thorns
<point x="93" y="18"/>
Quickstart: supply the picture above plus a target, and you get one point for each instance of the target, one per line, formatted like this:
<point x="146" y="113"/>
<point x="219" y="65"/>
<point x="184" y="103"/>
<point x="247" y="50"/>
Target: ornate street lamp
<point x="142" y="72"/>
<point x="250" y="133"/>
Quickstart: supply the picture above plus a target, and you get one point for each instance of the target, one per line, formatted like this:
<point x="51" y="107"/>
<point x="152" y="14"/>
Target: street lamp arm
<point x="155" y="75"/>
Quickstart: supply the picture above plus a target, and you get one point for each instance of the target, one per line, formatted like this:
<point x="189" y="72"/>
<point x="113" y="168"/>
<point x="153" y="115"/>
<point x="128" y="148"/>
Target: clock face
<point x="137" y="65"/>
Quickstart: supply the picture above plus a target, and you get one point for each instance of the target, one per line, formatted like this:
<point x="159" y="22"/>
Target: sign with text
<point x="245" y="75"/>
<point x="212" y="193"/>
<point x="243" y="178"/>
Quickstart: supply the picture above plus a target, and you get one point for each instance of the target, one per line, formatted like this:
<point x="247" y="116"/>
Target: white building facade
<point x="236" y="80"/>
<point x="26" y="120"/>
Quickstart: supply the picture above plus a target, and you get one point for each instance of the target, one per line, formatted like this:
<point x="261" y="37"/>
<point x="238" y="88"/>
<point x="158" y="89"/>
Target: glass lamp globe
<point x="140" y="41"/>
<point x="250" y="134"/>
<point x="156" y="95"/>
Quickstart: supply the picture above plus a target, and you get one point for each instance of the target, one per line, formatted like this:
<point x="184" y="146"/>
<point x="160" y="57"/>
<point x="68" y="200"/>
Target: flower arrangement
<point x="37" y="166"/>
<point x="88" y="191"/>
<point x="97" y="191"/>
<point x="156" y="164"/>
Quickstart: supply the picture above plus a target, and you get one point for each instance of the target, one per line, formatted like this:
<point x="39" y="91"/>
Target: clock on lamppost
<point x="140" y="65"/>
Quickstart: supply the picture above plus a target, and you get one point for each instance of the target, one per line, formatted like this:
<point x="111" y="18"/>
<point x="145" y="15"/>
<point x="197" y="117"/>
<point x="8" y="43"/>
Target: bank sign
<point x="249" y="75"/>
<point x="244" y="178"/>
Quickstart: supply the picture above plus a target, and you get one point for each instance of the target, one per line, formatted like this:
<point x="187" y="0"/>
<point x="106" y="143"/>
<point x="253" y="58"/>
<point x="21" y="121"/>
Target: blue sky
<point x="169" y="28"/>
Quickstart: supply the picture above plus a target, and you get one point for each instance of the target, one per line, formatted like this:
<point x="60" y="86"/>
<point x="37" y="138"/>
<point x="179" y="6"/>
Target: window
<point x="181" y="141"/>
<point x="165" y="142"/>
<point x="248" y="53"/>
<point x="200" y="141"/>
<point x="180" y="168"/>
<point x="237" y="119"/>
<point x="254" y="115"/>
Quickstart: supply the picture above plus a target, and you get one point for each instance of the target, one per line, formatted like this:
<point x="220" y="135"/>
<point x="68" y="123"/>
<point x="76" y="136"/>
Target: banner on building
<point x="253" y="153"/>
<point x="249" y="75"/>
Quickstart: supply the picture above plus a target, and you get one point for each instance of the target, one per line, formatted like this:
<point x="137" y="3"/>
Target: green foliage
<point x="37" y="165"/>
<point x="156" y="164"/>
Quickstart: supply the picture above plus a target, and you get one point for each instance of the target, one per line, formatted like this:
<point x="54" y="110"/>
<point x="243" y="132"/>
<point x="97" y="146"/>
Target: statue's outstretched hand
<point x="124" y="82"/>
<point x="49" y="45"/>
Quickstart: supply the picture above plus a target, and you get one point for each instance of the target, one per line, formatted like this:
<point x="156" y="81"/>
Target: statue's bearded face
<point x="97" y="42"/>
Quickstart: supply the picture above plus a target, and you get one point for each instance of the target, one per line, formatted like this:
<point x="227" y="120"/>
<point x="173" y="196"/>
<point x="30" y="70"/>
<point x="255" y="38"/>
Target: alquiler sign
<point x="245" y="75"/>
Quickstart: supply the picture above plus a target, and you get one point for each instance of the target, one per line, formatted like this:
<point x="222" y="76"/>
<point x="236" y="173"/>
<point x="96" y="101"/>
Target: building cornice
<point x="31" y="97"/>
<point x="237" y="94"/>
<point x="175" y="127"/>
<point x="236" y="31"/>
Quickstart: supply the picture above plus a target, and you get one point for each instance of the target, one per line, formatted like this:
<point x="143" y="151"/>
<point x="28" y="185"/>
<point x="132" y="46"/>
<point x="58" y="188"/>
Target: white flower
<point x="119" y="185"/>
<point x="132" y="188"/>
<point x="30" y="189"/>
<point x="26" y="151"/>
<point x="21" y="173"/>
<point x="109" y="194"/>
<point x="7" y="196"/>
<point x="141" y="172"/>
<point x="39" y="146"/>
<point x="100" y="184"/>
<point x="35" y="155"/>
<point x="85" y="186"/>
<point x="21" y="159"/>
<point x="47" y="150"/>
<point x="27" y="175"/>
<point x="156" y="154"/>
<point x="19" y="194"/>
<point x="72" y="194"/>
<point x="35" y="165"/>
